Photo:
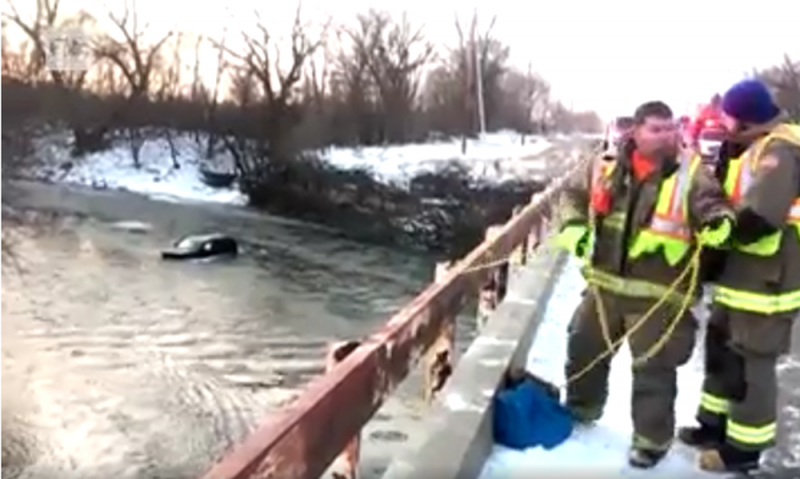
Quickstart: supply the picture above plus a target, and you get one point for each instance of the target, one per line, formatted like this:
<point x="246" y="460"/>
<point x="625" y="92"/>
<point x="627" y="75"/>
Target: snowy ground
<point x="602" y="449"/>
<point x="494" y="157"/>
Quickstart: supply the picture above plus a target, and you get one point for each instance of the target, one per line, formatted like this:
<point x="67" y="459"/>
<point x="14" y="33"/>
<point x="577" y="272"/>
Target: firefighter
<point x="757" y="292"/>
<point x="708" y="115"/>
<point x="634" y="221"/>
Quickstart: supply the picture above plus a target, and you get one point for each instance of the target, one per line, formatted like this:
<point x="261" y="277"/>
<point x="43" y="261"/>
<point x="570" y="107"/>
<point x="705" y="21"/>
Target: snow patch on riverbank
<point x="493" y="158"/>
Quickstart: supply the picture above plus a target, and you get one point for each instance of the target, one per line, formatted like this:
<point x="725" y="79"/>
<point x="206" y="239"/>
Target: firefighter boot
<point x="642" y="458"/>
<point x="585" y="415"/>
<point x="645" y="454"/>
<point x="703" y="436"/>
<point x="727" y="458"/>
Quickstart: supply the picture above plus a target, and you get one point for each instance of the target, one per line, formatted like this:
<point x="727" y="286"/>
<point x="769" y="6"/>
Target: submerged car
<point x="202" y="247"/>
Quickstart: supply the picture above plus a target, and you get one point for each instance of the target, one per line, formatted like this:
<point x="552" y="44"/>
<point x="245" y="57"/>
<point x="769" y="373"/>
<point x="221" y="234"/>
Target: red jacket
<point x="707" y="114"/>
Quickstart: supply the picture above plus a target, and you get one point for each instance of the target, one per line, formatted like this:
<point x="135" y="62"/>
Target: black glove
<point x="715" y="223"/>
<point x="751" y="227"/>
<point x="582" y="244"/>
<point x="712" y="264"/>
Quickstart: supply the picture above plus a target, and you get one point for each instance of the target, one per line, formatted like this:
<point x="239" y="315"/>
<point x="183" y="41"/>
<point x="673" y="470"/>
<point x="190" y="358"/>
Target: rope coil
<point x="691" y="271"/>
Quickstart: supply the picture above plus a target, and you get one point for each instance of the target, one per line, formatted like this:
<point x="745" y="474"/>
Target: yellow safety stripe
<point x="785" y="131"/>
<point x="671" y="211"/>
<point x="732" y="178"/>
<point x="614" y="221"/>
<point x="645" y="443"/>
<point x="570" y="237"/>
<point x="633" y="288"/>
<point x="714" y="404"/>
<point x="741" y="171"/>
<point x="756" y="302"/>
<point x="751" y="435"/>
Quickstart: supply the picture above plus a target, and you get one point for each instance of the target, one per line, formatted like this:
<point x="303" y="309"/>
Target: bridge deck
<point x="603" y="447"/>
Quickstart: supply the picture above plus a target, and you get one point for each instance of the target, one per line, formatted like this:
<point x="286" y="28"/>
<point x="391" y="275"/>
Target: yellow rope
<point x="691" y="271"/>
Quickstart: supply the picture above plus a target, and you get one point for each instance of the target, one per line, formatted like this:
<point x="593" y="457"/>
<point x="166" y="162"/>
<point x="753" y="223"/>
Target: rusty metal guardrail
<point x="305" y="438"/>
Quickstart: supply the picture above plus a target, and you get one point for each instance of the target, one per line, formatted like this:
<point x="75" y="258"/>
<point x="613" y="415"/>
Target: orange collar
<point x="642" y="166"/>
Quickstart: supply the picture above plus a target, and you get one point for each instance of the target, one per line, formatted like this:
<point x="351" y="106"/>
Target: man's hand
<point x="716" y="232"/>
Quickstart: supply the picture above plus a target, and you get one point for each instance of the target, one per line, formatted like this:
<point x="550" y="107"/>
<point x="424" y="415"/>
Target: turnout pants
<point x="654" y="387"/>
<point x="740" y="388"/>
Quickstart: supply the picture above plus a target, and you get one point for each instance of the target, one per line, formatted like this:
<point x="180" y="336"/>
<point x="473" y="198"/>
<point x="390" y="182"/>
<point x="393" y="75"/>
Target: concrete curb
<point x="458" y="438"/>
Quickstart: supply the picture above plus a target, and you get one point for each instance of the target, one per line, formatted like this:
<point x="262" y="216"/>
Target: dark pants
<point x="741" y="387"/>
<point x="654" y="382"/>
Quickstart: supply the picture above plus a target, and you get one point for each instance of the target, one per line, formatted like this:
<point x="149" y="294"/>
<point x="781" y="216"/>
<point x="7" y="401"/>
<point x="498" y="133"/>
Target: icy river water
<point x="116" y="364"/>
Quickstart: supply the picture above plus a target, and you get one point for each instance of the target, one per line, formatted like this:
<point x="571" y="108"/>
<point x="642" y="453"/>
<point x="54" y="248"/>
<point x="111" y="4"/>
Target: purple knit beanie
<point x="750" y="101"/>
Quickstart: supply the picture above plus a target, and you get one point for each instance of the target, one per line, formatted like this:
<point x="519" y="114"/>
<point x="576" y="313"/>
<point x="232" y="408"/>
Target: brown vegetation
<point x="386" y="83"/>
<point x="785" y="81"/>
<point x="270" y="101"/>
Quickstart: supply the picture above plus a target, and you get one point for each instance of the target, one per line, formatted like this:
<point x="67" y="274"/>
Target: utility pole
<point x="478" y="73"/>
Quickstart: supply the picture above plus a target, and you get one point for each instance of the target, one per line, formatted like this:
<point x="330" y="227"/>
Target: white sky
<point x="607" y="55"/>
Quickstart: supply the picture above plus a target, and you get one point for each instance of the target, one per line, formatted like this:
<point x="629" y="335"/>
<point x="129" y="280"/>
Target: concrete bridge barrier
<point x="512" y="274"/>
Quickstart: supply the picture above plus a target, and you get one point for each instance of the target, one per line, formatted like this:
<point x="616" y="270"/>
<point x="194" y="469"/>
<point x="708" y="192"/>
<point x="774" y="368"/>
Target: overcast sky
<point x="607" y="55"/>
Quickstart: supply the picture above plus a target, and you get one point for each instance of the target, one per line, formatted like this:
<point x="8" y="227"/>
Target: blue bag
<point x="526" y="416"/>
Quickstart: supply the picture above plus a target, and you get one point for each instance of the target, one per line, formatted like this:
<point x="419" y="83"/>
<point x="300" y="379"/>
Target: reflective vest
<point x="669" y="227"/>
<point x="741" y="173"/>
<point x="668" y="230"/>
<point x="738" y="180"/>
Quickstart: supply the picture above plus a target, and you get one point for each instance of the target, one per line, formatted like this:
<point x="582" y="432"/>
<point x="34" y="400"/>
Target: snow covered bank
<point x="493" y="158"/>
<point x="599" y="451"/>
<point x="157" y="177"/>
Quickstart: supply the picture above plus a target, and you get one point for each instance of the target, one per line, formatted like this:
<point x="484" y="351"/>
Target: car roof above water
<point x="195" y="239"/>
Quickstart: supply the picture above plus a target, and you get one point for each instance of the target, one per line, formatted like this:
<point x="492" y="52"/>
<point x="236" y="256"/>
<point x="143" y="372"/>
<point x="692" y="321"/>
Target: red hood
<point x="708" y="113"/>
<point x="707" y="117"/>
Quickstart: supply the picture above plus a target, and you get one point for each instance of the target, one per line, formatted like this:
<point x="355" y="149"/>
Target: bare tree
<point x="392" y="54"/>
<point x="14" y="64"/>
<point x="167" y="71"/>
<point x="316" y="81"/>
<point x="278" y="114"/>
<point x="136" y="58"/>
<point x="167" y="90"/>
<point x="525" y="100"/>
<point x="451" y="89"/>
<point x="45" y="20"/>
<point x="208" y="97"/>
<point x="355" y="95"/>
<point x="317" y="128"/>
<point x="785" y="81"/>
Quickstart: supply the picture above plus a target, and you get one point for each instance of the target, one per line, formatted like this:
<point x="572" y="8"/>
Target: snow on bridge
<point x="601" y="449"/>
<point x="341" y="402"/>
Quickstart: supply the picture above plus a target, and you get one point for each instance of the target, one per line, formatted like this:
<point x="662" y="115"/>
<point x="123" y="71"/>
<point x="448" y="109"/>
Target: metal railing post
<point x="346" y="465"/>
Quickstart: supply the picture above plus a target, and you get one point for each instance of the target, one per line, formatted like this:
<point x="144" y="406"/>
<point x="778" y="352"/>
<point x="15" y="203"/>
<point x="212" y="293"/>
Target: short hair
<point x="652" y="109"/>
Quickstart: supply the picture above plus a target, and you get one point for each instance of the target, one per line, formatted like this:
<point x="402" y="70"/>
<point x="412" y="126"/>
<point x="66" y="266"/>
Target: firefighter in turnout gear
<point x="757" y="292"/>
<point x="635" y="222"/>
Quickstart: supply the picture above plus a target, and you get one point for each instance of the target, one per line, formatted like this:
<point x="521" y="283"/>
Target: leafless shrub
<point x="785" y="81"/>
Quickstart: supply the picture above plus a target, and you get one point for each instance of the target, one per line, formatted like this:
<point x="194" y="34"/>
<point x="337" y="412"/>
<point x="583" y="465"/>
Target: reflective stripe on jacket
<point x="739" y="179"/>
<point x="669" y="227"/>
<point x="668" y="231"/>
